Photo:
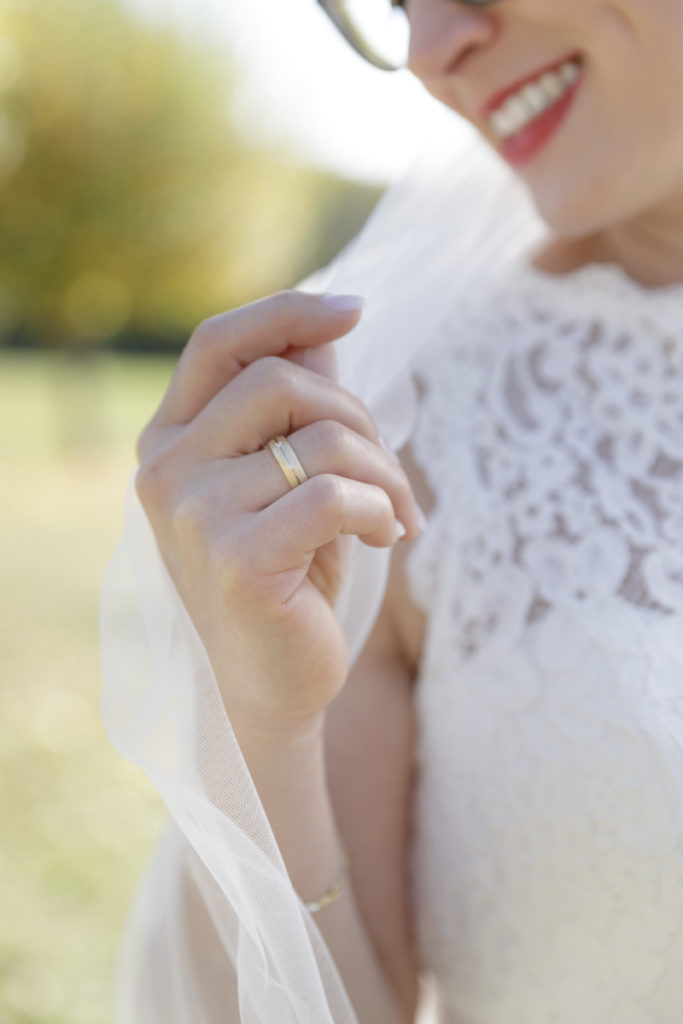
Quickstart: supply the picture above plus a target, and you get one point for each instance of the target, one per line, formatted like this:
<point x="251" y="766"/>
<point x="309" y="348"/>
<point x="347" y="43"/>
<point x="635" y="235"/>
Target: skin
<point x="258" y="565"/>
<point x="244" y="549"/>
<point x="609" y="183"/>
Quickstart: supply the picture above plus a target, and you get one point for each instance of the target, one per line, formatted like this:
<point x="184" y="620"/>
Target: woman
<point x="501" y="770"/>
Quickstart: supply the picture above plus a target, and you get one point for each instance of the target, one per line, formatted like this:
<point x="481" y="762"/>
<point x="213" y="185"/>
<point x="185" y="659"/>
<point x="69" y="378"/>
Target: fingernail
<point x="399" y="530"/>
<point x="343" y="303"/>
<point x="421" y="517"/>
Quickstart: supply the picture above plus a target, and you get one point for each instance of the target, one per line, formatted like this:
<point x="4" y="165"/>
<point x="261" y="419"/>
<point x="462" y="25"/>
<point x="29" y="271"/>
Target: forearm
<point x="290" y="778"/>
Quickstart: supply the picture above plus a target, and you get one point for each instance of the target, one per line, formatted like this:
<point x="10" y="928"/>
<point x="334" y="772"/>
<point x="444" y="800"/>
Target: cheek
<point x="623" y="151"/>
<point x="620" y="175"/>
<point x="439" y="89"/>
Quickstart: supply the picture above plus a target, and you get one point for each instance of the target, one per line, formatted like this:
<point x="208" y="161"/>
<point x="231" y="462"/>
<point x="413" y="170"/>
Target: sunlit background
<point x="160" y="161"/>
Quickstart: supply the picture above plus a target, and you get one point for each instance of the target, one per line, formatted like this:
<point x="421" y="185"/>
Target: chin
<point x="570" y="211"/>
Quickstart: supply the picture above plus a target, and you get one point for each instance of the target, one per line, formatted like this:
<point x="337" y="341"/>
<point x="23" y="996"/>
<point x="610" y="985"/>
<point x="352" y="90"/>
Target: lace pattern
<point x="548" y="858"/>
<point x="565" y="433"/>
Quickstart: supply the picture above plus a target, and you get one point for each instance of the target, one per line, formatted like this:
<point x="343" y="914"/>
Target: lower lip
<point x="526" y="144"/>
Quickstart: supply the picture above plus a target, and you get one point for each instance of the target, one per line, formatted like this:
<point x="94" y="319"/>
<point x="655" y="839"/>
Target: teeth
<point x="532" y="99"/>
<point x="553" y="85"/>
<point x="535" y="97"/>
<point x="569" y="72"/>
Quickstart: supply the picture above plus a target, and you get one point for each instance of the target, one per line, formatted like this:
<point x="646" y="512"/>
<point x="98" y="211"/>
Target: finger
<point x="286" y="534"/>
<point x="327" y="447"/>
<point x="223" y="345"/>
<point x="272" y="396"/>
<point x="322" y="360"/>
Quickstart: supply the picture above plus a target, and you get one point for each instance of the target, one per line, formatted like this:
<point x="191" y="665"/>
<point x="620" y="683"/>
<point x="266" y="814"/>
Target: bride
<point x="419" y="718"/>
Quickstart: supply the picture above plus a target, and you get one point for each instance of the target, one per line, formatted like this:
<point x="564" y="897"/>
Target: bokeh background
<point x="160" y="161"/>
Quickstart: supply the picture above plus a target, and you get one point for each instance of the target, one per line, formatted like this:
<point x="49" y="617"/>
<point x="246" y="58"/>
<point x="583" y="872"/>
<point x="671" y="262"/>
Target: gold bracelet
<point x="333" y="892"/>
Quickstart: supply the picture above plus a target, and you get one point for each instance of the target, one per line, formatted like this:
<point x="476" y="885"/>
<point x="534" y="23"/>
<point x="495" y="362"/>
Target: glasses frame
<point x="340" y="18"/>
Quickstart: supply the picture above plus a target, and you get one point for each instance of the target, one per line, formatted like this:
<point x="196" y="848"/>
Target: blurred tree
<point x="127" y="204"/>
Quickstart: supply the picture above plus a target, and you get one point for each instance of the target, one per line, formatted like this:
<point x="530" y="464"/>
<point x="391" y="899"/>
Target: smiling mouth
<point x="513" y="110"/>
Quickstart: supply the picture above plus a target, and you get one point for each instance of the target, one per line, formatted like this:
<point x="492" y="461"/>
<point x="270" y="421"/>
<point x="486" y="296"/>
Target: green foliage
<point x="126" y="201"/>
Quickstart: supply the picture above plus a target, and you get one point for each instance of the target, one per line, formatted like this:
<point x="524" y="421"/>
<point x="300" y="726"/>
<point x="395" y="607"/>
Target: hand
<point x="256" y="563"/>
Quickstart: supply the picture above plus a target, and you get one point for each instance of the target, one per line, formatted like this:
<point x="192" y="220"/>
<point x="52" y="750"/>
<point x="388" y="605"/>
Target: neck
<point x="648" y="247"/>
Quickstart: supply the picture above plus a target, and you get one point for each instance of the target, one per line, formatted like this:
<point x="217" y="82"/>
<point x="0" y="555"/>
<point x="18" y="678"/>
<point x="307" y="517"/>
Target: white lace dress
<point x="548" y="845"/>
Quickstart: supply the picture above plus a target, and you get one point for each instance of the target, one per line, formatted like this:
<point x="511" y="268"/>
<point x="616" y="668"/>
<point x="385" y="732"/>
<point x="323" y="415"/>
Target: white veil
<point x="449" y="227"/>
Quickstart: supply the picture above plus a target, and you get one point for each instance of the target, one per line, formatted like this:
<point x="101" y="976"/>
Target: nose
<point x="442" y="33"/>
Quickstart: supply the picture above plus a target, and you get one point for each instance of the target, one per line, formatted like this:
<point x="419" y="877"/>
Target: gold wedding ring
<point x="287" y="460"/>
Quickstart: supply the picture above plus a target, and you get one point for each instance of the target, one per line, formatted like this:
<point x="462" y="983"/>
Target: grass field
<point x="78" y="822"/>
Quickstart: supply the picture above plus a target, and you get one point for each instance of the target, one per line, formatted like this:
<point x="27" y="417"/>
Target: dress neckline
<point x="600" y="293"/>
<point x="610" y="278"/>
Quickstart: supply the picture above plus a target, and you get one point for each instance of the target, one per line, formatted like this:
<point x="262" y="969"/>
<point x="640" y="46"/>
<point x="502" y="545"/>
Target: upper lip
<point x="498" y="98"/>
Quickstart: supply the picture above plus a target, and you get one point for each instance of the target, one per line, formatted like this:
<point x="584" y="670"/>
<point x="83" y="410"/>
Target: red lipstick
<point x="498" y="98"/>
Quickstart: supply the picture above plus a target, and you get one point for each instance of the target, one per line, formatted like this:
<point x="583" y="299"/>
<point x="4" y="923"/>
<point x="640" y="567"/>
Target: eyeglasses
<point x="377" y="29"/>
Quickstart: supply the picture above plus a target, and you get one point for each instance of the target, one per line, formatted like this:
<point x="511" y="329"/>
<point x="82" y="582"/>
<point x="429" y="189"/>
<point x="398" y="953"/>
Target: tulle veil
<point x="448" y="228"/>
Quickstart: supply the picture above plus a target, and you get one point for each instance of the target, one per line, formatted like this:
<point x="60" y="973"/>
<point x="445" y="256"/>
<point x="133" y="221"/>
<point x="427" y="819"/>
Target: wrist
<point x="335" y="890"/>
<point x="289" y="772"/>
<point x="266" y="743"/>
<point x="286" y="762"/>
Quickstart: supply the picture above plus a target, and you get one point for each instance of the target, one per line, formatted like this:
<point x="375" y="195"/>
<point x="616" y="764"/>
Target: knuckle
<point x="151" y="439"/>
<point x="326" y="494"/>
<point x="271" y="374"/>
<point x="152" y="481"/>
<point x="334" y="437"/>
<point x="205" y="336"/>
